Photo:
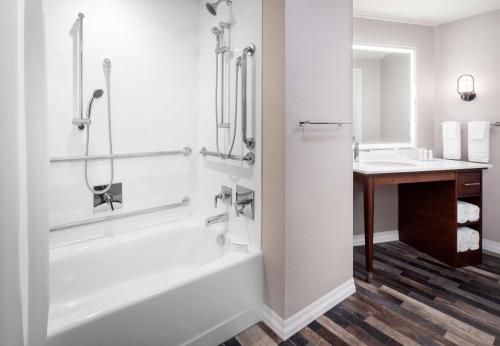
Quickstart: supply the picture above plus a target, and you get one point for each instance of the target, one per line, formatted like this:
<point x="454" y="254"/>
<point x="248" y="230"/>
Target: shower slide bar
<point x="185" y="152"/>
<point x="184" y="203"/>
<point x="248" y="158"/>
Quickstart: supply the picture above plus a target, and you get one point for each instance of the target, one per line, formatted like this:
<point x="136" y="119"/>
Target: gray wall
<point x="318" y="161"/>
<point x="378" y="32"/>
<point x="273" y="153"/>
<point x="371" y="98"/>
<point x="307" y="174"/>
<point x="396" y="96"/>
<point x="471" y="46"/>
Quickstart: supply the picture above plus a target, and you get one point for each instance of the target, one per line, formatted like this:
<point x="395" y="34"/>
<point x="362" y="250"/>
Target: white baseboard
<point x="491" y="246"/>
<point x="378" y="237"/>
<point x="286" y="328"/>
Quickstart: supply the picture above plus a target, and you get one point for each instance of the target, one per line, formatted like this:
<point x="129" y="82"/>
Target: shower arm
<point x="248" y="51"/>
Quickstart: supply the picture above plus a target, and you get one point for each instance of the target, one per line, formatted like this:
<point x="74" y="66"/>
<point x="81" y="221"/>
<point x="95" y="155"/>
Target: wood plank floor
<point x="413" y="300"/>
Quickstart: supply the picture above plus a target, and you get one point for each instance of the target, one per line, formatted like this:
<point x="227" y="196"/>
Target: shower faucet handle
<point x="225" y="195"/>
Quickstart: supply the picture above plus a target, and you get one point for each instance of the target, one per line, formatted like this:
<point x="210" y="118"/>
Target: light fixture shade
<point x="466" y="87"/>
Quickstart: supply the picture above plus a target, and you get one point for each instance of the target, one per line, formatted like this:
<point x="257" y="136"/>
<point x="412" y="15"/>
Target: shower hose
<point x="225" y="156"/>
<point x="107" y="67"/>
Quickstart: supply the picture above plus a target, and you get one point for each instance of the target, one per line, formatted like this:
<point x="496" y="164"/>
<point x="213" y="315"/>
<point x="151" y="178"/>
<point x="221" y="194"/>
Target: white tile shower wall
<point x="153" y="45"/>
<point x="246" y="20"/>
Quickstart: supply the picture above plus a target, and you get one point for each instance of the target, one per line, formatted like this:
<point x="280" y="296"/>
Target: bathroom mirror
<point x="384" y="97"/>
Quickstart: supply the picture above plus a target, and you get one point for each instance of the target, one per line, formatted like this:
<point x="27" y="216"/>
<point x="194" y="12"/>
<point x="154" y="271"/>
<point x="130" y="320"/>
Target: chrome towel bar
<point x="302" y="123"/>
<point x="248" y="158"/>
<point x="185" y="202"/>
<point x="186" y="152"/>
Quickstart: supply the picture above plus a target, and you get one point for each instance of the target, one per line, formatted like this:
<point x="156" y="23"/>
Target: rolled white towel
<point x="474" y="239"/>
<point x="467" y="212"/>
<point x="463" y="212"/>
<point x="463" y="239"/>
<point x="474" y="213"/>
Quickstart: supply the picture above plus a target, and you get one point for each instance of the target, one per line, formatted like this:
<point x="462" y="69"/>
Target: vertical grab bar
<point x="248" y="51"/>
<point x="80" y="72"/>
<point x="79" y="120"/>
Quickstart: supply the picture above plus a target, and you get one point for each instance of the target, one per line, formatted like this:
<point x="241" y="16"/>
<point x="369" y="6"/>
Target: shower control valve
<point x="245" y="202"/>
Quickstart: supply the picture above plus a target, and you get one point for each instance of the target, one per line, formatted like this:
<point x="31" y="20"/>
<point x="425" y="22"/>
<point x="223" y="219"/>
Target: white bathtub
<point x="162" y="285"/>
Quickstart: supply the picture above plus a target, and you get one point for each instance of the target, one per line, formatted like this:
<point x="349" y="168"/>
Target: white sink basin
<point x="389" y="164"/>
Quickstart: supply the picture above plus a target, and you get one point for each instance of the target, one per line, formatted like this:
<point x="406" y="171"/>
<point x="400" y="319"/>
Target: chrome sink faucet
<point x="212" y="220"/>
<point x="356" y="152"/>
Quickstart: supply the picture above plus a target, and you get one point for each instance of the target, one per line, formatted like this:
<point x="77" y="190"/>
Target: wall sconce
<point x="466" y="87"/>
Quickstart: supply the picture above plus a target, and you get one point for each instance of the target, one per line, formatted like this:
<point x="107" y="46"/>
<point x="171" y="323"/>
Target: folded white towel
<point x="463" y="239"/>
<point x="452" y="145"/>
<point x="479" y="141"/>
<point x="474" y="239"/>
<point x="467" y="212"/>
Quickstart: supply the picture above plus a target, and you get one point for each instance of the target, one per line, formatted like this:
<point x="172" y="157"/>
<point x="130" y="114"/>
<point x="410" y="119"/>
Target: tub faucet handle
<point x="225" y="195"/>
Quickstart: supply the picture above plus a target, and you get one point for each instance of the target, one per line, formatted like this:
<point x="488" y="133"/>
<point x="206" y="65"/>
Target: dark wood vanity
<point x="427" y="211"/>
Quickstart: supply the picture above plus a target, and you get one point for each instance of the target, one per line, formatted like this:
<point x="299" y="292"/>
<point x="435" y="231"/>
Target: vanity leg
<point x="368" y="195"/>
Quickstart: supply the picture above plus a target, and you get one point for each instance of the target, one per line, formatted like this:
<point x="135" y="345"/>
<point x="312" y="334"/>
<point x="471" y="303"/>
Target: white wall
<point x="153" y="46"/>
<point x="318" y="160"/>
<point x="471" y="46"/>
<point x="421" y="37"/>
<point x="163" y="59"/>
<point x="11" y="310"/>
<point x="246" y="20"/>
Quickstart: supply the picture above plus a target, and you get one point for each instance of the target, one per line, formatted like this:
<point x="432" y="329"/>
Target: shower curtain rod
<point x="185" y="151"/>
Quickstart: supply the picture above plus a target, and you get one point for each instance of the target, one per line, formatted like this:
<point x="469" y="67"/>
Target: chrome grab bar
<point x="185" y="202"/>
<point x="79" y="120"/>
<point x="248" y="158"/>
<point x="248" y="51"/>
<point x="81" y="16"/>
<point x="302" y="123"/>
<point x="185" y="151"/>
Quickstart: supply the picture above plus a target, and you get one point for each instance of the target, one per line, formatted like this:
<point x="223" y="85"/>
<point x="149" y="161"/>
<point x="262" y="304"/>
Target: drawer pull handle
<point x="472" y="184"/>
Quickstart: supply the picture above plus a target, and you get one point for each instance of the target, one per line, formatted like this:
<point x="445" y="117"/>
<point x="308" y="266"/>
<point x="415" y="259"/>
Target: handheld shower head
<point x="213" y="4"/>
<point x="98" y="94"/>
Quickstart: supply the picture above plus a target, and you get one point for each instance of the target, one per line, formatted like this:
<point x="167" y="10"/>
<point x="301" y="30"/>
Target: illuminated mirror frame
<point x="413" y="99"/>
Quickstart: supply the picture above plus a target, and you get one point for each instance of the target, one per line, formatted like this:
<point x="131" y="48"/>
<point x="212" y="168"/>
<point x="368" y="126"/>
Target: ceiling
<point x="424" y="12"/>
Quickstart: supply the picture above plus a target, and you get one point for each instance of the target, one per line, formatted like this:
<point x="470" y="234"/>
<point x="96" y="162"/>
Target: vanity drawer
<point x="469" y="183"/>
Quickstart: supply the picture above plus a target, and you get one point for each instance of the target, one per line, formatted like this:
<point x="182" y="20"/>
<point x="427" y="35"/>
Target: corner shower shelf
<point x="185" y="152"/>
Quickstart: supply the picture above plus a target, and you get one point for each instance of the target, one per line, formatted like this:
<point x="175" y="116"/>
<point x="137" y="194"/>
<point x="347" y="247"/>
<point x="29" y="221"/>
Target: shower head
<point x="98" y="94"/>
<point x="213" y="4"/>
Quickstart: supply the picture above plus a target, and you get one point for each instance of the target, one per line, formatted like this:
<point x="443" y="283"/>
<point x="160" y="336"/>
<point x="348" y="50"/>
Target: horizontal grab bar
<point x="186" y="152"/>
<point x="309" y="122"/>
<point x="185" y="202"/>
<point x="248" y="158"/>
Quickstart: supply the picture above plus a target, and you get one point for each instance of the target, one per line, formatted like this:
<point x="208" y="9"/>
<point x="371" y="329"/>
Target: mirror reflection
<point x="383" y="96"/>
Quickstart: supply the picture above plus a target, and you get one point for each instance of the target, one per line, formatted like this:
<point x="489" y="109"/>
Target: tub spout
<point x="212" y="220"/>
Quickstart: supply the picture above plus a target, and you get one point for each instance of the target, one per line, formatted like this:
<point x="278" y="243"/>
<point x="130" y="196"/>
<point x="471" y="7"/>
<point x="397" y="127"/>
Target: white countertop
<point x="408" y="166"/>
